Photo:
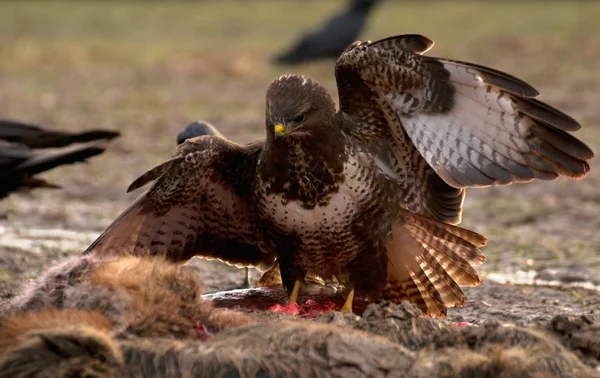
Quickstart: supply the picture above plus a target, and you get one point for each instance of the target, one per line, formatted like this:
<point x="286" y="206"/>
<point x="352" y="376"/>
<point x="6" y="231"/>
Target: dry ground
<point x="149" y="69"/>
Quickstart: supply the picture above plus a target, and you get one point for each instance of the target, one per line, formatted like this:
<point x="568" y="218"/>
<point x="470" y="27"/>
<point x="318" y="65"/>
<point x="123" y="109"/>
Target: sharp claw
<point x="347" y="307"/>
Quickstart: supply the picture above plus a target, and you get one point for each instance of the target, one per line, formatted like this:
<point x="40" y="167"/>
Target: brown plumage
<point x="141" y="297"/>
<point x="26" y="150"/>
<point x="360" y="194"/>
<point x="196" y="129"/>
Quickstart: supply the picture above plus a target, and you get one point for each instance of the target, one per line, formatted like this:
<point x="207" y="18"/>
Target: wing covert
<point x="199" y="204"/>
<point x="474" y="125"/>
<point x="375" y="118"/>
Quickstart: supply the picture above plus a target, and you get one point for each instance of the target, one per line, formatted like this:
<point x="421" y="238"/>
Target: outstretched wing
<point x="200" y="204"/>
<point x="475" y="126"/>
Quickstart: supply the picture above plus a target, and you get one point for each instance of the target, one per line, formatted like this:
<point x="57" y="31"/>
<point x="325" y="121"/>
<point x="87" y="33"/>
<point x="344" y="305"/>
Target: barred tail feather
<point x="427" y="260"/>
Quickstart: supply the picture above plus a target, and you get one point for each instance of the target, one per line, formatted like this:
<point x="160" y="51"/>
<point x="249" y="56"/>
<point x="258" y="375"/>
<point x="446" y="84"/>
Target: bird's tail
<point x="46" y="159"/>
<point x="91" y="135"/>
<point x="36" y="137"/>
<point x="428" y="260"/>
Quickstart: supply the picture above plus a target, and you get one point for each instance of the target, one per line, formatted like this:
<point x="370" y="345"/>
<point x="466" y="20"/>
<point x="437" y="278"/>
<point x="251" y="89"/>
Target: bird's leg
<point x="247" y="278"/>
<point x="294" y="294"/>
<point x="246" y="283"/>
<point x="347" y="307"/>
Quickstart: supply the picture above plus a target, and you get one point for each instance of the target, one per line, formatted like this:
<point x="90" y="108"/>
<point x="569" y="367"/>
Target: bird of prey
<point x="366" y="195"/>
<point x="332" y="38"/>
<point x="26" y="150"/>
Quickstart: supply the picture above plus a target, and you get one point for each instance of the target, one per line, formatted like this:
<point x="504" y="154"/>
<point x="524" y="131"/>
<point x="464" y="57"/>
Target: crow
<point x="330" y="39"/>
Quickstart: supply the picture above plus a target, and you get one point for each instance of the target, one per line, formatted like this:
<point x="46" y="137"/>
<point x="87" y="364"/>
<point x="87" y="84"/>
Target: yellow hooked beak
<point x="279" y="129"/>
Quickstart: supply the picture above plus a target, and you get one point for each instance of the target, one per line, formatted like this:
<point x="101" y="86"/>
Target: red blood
<point x="291" y="309"/>
<point x="202" y="332"/>
<point x="309" y="309"/>
<point x="312" y="309"/>
<point x="329" y="305"/>
<point x="463" y="324"/>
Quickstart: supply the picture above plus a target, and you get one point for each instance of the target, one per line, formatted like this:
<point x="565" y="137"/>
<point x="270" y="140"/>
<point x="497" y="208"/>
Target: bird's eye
<point x="299" y="119"/>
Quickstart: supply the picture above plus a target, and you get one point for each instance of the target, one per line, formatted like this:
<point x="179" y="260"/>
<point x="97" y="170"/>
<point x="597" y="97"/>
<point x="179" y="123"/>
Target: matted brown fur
<point x="16" y="327"/>
<point x="490" y="350"/>
<point x="77" y="350"/>
<point x="147" y="297"/>
<point x="287" y="349"/>
<point x="166" y="299"/>
<point x="294" y="348"/>
<point x="497" y="361"/>
<point x="277" y="349"/>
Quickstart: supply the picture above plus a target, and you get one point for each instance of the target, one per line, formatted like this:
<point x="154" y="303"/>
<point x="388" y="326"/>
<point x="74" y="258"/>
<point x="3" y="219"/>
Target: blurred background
<point x="148" y="69"/>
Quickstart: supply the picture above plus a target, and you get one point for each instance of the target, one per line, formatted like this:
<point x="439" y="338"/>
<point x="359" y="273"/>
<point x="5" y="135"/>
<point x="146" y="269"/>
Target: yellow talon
<point x="347" y="307"/>
<point x="294" y="294"/>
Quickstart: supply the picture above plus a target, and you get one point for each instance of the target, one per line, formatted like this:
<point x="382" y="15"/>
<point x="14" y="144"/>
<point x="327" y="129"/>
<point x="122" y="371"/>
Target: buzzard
<point x="332" y="38"/>
<point x="366" y="194"/>
<point x="26" y="150"/>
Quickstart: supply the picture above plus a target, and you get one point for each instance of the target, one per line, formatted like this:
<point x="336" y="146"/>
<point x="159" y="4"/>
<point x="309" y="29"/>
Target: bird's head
<point x="196" y="129"/>
<point x="297" y="106"/>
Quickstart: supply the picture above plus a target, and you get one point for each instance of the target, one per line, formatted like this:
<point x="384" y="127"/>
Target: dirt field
<point x="148" y="70"/>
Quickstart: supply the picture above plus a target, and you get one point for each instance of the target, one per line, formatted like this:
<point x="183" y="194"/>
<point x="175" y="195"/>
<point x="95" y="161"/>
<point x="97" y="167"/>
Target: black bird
<point x="331" y="39"/>
<point x="26" y="150"/>
<point x="196" y="129"/>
